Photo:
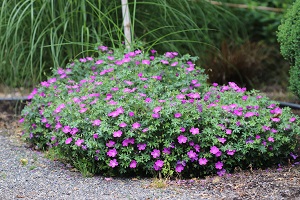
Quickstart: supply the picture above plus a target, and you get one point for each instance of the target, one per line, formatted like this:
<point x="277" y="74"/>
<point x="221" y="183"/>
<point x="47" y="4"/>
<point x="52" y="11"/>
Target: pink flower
<point x="222" y="140"/>
<point x="157" y="109"/>
<point x="292" y="119"/>
<point x="133" y="164"/>
<point x="203" y="161"/>
<point x="155" y="153"/>
<point x="74" y="131"/>
<point x="194" y="131"/>
<point x="117" y="133"/>
<point x="180" y="96"/>
<point x="146" y="62"/>
<point x="112" y="153"/>
<point x="66" y="129"/>
<point x="228" y="131"/>
<point x="79" y="142"/>
<point x="131" y="114"/>
<point x="219" y="165"/>
<point x="122" y="124"/>
<point x="156" y="115"/>
<point x="113" y="163"/>
<point x="141" y="147"/>
<point x="231" y="152"/>
<point x="182" y="129"/>
<point x="110" y="143"/>
<point x="68" y="141"/>
<point x="270" y="139"/>
<point x="145" y="130"/>
<point x="97" y="122"/>
<point x="177" y="115"/>
<point x="158" y="165"/>
<point x="214" y="150"/>
<point x="192" y="155"/>
<point x="82" y="110"/>
<point x="136" y="125"/>
<point x="179" y="168"/>
<point x="275" y="119"/>
<point x="182" y="139"/>
<point x="95" y="136"/>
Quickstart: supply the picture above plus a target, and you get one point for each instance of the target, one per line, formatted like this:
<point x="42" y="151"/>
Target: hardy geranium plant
<point x="138" y="112"/>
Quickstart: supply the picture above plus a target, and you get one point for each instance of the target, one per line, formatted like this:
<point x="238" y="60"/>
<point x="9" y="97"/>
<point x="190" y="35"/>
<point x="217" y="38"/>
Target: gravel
<point x="43" y="179"/>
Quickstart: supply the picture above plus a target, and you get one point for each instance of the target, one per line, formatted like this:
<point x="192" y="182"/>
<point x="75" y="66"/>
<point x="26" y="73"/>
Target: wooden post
<point x="126" y="23"/>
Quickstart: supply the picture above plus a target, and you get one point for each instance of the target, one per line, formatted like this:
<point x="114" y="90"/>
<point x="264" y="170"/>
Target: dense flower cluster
<point x="150" y="113"/>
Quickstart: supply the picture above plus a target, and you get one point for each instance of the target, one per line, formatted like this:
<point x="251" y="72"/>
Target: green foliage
<point x="289" y="39"/>
<point x="139" y="112"/>
<point x="36" y="36"/>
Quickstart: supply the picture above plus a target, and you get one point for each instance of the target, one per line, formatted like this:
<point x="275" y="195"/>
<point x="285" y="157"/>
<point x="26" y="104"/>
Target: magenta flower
<point x="127" y="141"/>
<point x="68" y="141"/>
<point x="214" y="150"/>
<point x="245" y="98"/>
<point x="270" y="139"/>
<point x="275" y="119"/>
<point x="231" y="152"/>
<point x="95" y="136"/>
<point x="122" y="124"/>
<point x="179" y="168"/>
<point x="156" y="115"/>
<point x="148" y="100"/>
<point x="228" y="131"/>
<point x="155" y="153"/>
<point x="74" y="131"/>
<point x="79" y="142"/>
<point x="82" y="110"/>
<point x="180" y="96"/>
<point x="131" y="114"/>
<point x="146" y="62"/>
<point x="167" y="151"/>
<point x="257" y="137"/>
<point x="110" y="143"/>
<point x="158" y="165"/>
<point x="177" y="115"/>
<point x="58" y="126"/>
<point x="141" y="147"/>
<point x="157" y="109"/>
<point x="192" y="155"/>
<point x="219" y="165"/>
<point x="194" y="131"/>
<point x="133" y="164"/>
<point x="182" y="139"/>
<point x="99" y="62"/>
<point x="136" y="125"/>
<point x="117" y="133"/>
<point x="249" y="114"/>
<point x="182" y="129"/>
<point x="145" y="130"/>
<point x="113" y="163"/>
<point x="21" y="120"/>
<point x="66" y="129"/>
<point x="292" y="119"/>
<point x="222" y="140"/>
<point x="197" y="147"/>
<point x="203" y="161"/>
<point x="112" y="153"/>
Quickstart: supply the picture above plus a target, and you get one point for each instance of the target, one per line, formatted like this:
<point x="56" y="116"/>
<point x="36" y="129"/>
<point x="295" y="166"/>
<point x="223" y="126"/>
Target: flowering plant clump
<point x="136" y="112"/>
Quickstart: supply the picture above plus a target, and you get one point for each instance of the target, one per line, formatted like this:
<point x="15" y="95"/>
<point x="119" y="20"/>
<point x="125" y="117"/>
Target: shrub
<point x="289" y="39"/>
<point x="139" y="113"/>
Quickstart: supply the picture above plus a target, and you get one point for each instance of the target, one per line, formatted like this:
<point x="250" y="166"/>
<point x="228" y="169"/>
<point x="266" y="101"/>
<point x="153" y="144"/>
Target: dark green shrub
<point x="289" y="39"/>
<point x="136" y="112"/>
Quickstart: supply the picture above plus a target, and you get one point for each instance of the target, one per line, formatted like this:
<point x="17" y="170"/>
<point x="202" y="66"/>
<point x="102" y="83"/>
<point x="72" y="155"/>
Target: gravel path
<point x="43" y="179"/>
